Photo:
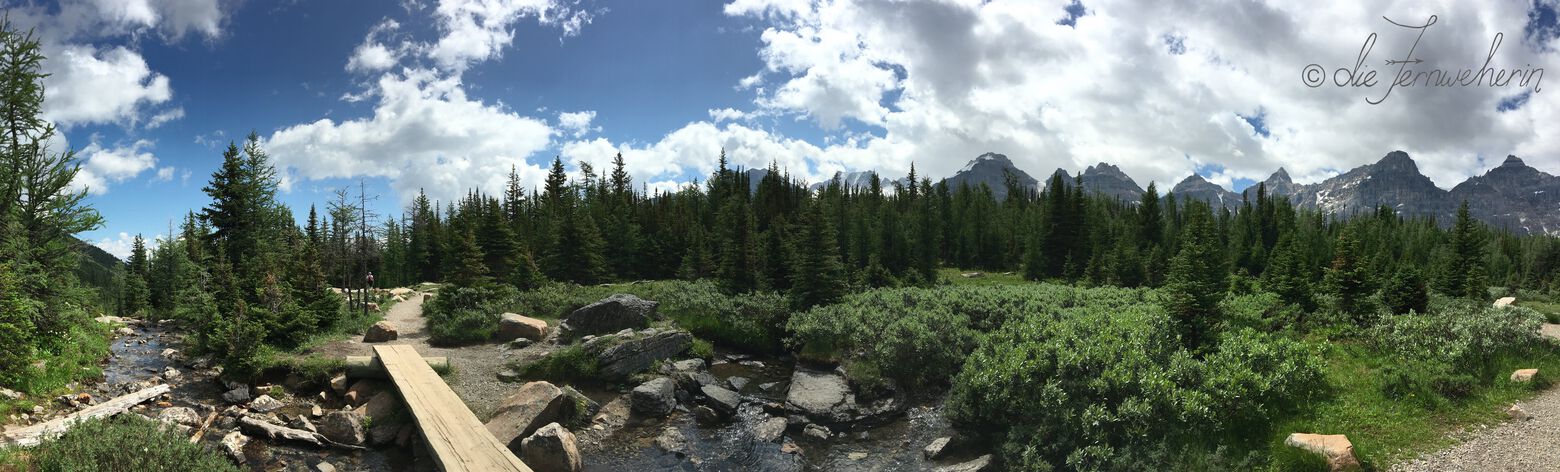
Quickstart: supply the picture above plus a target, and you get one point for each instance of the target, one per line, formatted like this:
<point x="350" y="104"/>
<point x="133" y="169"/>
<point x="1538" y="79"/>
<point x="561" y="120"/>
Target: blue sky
<point x="448" y="95"/>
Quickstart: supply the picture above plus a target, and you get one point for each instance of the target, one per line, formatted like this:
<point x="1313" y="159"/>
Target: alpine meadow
<point x="598" y="235"/>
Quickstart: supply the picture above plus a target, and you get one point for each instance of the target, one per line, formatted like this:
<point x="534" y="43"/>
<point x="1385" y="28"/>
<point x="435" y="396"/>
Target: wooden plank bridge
<point x="458" y="441"/>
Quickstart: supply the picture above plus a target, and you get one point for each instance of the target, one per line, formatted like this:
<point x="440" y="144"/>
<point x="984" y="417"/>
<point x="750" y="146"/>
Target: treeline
<point x="818" y="245"/>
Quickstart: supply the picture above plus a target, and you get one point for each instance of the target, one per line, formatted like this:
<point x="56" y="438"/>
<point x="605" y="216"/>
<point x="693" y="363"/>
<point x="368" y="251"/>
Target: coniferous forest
<point x="773" y="324"/>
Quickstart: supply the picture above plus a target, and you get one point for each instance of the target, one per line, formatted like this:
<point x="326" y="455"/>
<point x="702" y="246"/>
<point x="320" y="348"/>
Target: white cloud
<point x="478" y="30"/>
<point x="373" y="55"/>
<point x="165" y="174"/>
<point x="424" y="133"/>
<point x="89" y="85"/>
<point x="103" y="166"/>
<point x="726" y="114"/>
<point x="945" y="80"/>
<point x="120" y="247"/>
<point x="577" y="122"/>
<point x="164" y="117"/>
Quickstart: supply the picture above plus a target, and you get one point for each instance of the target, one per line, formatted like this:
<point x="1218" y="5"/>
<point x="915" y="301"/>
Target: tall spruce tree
<point x="1196" y="280"/>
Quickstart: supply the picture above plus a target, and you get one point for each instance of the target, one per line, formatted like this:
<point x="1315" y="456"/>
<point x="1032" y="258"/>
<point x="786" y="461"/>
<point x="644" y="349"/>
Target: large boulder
<point x="1524" y="375"/>
<point x="722" y="400"/>
<point x="977" y="465"/>
<point x="513" y="326"/>
<point x="610" y="315"/>
<point x="344" y="427"/>
<point x="381" y="332"/>
<point x="179" y="415"/>
<point x="640" y="351"/>
<point x="827" y="397"/>
<point x="551" y="449"/>
<point x="532" y="406"/>
<point x="655" y="398"/>
<point x="265" y="404"/>
<point x="1505" y="301"/>
<point x="1334" y="448"/>
<point x="383" y="405"/>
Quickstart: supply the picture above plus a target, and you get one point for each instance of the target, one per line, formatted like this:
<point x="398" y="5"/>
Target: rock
<point x="324" y="467"/>
<point x="373" y="306"/>
<point x="820" y="395"/>
<point x="551" y="449"/>
<point x="400" y="291"/>
<point x="179" y="415"/>
<point x="737" y="382"/>
<point x="706" y="415"/>
<point x="790" y="448"/>
<point x="380" y="332"/>
<point x="769" y="430"/>
<point x="338" y="384"/>
<point x="655" y="398"/>
<point x="316" y="411"/>
<point x="171" y="373"/>
<point x="688" y="365"/>
<point x="937" y="449"/>
<point x="1334" y="448"/>
<point x="614" y="313"/>
<point x="345" y="427"/>
<point x="362" y="391"/>
<point x="170" y="353"/>
<point x="382" y="405"/>
<point x="972" y="275"/>
<point x="1517" y="413"/>
<point x="125" y="332"/>
<point x="237" y="395"/>
<point x="817" y="431"/>
<point x="299" y="422"/>
<point x="767" y="386"/>
<point x="513" y="326"/>
<point x="639" y="354"/>
<point x="9" y="394"/>
<point x="265" y="404"/>
<point x="978" y="465"/>
<point x="383" y="433"/>
<point x="1523" y="375"/>
<point x="531" y="407"/>
<point x="1505" y="301"/>
<point x="509" y="376"/>
<point x="672" y="440"/>
<point x="580" y="400"/>
<point x="233" y="444"/>
<point x="722" y="400"/>
<point x="403" y="438"/>
<point x="521" y="343"/>
<point x="856" y="456"/>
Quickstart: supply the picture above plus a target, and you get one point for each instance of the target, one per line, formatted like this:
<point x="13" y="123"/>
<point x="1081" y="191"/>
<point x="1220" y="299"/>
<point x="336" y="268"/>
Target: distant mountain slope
<point x="1394" y="181"/>
<point x="1110" y="181"/>
<point x="1513" y="196"/>
<point x="991" y="169"/>
<point x="1197" y="188"/>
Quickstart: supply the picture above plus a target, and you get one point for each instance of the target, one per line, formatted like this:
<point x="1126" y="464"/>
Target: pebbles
<point x="1513" y="445"/>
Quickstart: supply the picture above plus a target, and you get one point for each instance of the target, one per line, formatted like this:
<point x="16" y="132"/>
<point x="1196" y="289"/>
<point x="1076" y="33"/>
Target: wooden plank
<point x="459" y="441"/>
<point x="33" y="435"/>
<point x="368" y="367"/>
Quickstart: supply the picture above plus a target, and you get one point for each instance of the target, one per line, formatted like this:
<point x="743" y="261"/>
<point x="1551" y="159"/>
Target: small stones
<point x="265" y="404"/>
<point x="1524" y="375"/>
<point x="179" y="415"/>
<point x="324" y="467"/>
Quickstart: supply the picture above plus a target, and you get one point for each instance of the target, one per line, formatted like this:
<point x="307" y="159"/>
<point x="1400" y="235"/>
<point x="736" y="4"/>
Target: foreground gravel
<point x="1509" y="446"/>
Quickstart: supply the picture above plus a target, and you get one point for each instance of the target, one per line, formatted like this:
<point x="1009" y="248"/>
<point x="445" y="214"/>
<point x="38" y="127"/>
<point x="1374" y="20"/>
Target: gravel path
<point x="1510" y="446"/>
<point x="476" y="367"/>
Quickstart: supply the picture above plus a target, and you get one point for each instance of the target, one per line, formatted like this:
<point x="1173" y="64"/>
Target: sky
<point x="445" y="96"/>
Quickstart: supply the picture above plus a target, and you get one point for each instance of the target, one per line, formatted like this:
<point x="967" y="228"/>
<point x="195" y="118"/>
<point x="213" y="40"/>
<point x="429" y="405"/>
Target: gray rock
<point x="179" y="415"/>
<point x="324" y="467"/>
<point x="937" y="449"/>
<point x="817" y="431"/>
<point x="689" y="365"/>
<point x="737" y="382"/>
<point x="769" y="430"/>
<point x="612" y="314"/>
<point x="345" y="427"/>
<point x="265" y="404"/>
<point x="591" y="407"/>
<point x="978" y="465"/>
<point x="823" y="396"/>
<point x="233" y="444"/>
<point x="551" y="449"/>
<point x="655" y="398"/>
<point x="237" y="395"/>
<point x="383" y="433"/>
<point x="639" y="354"/>
<point x="672" y="441"/>
<point x="531" y="407"/>
<point x="722" y="400"/>
<point x="706" y="415"/>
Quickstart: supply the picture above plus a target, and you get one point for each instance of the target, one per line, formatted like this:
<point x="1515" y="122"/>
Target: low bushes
<point x="1096" y="388"/>
<point x="465" y="315"/>
<point x="124" y="443"/>
<point x="1452" y="351"/>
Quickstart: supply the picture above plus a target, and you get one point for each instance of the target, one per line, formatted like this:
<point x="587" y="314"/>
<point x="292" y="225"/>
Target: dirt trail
<point x="475" y="376"/>
<point x="1508" y="446"/>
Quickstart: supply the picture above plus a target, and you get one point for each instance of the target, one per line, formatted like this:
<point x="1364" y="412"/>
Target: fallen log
<point x="274" y="431"/>
<point x="195" y="438"/>
<point x="369" y="367"/>
<point x="33" y="435"/>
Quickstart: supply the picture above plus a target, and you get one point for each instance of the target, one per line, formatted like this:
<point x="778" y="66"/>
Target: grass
<point x="1550" y="310"/>
<point x="73" y="358"/>
<point x="956" y="277"/>
<point x="1386" y="431"/>
<point x="571" y="363"/>
<point x="102" y="445"/>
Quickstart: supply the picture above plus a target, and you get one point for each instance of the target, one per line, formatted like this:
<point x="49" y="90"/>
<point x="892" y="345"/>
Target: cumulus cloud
<point x="102" y="166"/>
<point x="478" y="30"/>
<point x="946" y="80"/>
<point x="577" y="122"/>
<point x="373" y="55"/>
<point x="90" y="85"/>
<point x="424" y="133"/>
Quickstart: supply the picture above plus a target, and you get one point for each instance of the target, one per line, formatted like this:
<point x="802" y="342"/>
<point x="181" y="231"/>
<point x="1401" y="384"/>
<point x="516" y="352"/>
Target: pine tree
<point x="739" y="256"/>
<point x="1406" y="292"/>
<point x="818" y="277"/>
<point x="1288" y="274"/>
<point x="1196" y="280"/>
<point x="1348" y="277"/>
<point x="136" y="293"/>
<point x="469" y="269"/>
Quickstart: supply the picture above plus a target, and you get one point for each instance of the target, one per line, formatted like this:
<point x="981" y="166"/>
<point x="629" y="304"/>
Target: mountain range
<point x="1512" y="195"/>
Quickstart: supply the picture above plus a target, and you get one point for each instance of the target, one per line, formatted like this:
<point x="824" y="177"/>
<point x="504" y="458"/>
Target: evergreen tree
<point x="1348" y="277"/>
<point x="818" y="277"/>
<point x="1406" y="292"/>
<point x="1196" y="280"/>
<point x="136" y="293"/>
<point x="1288" y="274"/>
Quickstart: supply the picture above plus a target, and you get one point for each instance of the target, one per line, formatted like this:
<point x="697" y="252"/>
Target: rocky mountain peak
<point x="1280" y="176"/>
<point x="1196" y="187"/>
<point x="991" y="169"/>
<point x="1512" y="161"/>
<point x="1397" y="160"/>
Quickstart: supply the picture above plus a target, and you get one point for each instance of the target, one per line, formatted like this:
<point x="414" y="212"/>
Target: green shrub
<point x="569" y="363"/>
<point x="752" y="321"/>
<point x="125" y="443"/>
<point x="1095" y="388"/>
<point x="1455" y="339"/>
<point x="467" y="315"/>
<point x="702" y="349"/>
